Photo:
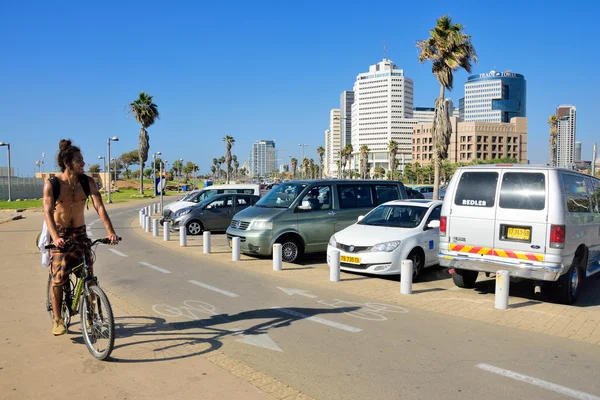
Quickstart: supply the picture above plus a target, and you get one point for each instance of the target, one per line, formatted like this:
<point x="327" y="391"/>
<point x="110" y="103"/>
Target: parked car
<point x="213" y="214"/>
<point x="429" y="195"/>
<point x="395" y="231"/>
<point x="414" y="194"/>
<point x="302" y="215"/>
<point x="540" y="223"/>
<point x="198" y="196"/>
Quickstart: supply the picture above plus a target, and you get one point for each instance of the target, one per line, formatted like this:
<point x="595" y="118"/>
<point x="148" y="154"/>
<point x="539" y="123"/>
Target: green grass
<point x="13" y="205"/>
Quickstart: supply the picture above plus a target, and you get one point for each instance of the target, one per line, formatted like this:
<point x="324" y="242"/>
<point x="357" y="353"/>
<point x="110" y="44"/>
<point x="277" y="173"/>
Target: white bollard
<point x="406" y="276"/>
<point x="158" y="210"/>
<point x="182" y="236"/>
<point x="206" y="242"/>
<point x="154" y="227"/>
<point x="502" y="287"/>
<point x="147" y="224"/>
<point x="153" y="209"/>
<point x="334" y="267"/>
<point x="277" y="263"/>
<point x="144" y="222"/>
<point x="141" y="215"/>
<point x="167" y="232"/>
<point x="148" y="210"/>
<point x="235" y="248"/>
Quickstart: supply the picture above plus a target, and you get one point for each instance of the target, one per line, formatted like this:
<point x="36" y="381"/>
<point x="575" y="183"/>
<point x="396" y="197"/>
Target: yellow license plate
<point x="518" y="233"/>
<point x="350" y="260"/>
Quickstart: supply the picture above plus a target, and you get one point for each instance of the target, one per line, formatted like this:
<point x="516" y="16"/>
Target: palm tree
<point x="379" y="172"/>
<point x="146" y="113"/>
<point x="364" y="161"/>
<point x="553" y="122"/>
<point x="418" y="172"/>
<point x="229" y="141"/>
<point x="392" y="162"/>
<point x="321" y="153"/>
<point x="449" y="49"/>
<point x="213" y="170"/>
<point x="294" y="162"/>
<point x="305" y="165"/>
<point x="311" y="168"/>
<point x="221" y="162"/>
<point x="236" y="165"/>
<point x="347" y="153"/>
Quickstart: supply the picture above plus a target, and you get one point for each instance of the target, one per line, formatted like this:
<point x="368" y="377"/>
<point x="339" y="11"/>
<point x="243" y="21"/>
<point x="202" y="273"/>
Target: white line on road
<point x="214" y="289"/>
<point x="164" y="271"/>
<point x="319" y="320"/>
<point x="117" y="252"/>
<point x="576" y="394"/>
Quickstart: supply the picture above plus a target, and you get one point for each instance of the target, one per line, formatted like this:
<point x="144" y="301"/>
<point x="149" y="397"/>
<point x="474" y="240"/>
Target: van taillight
<point x="557" y="236"/>
<point x="442" y="226"/>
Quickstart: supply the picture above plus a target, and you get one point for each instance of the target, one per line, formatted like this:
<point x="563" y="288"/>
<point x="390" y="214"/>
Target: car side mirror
<point x="435" y="224"/>
<point x="361" y="217"/>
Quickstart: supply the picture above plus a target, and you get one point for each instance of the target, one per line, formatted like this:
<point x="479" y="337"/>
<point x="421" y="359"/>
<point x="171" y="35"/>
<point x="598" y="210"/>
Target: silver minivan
<point x="539" y="223"/>
<point x="303" y="215"/>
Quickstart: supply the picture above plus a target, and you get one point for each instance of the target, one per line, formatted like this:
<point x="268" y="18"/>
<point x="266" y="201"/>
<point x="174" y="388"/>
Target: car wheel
<point x="290" y="249"/>
<point x="194" y="228"/>
<point x="418" y="259"/>
<point x="464" y="278"/>
<point x="567" y="288"/>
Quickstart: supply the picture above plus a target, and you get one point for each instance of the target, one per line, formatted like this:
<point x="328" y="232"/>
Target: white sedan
<point x="395" y="231"/>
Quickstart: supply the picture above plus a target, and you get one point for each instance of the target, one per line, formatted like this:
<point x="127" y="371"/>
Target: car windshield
<point x="281" y="196"/>
<point x="395" y="216"/>
<point x="188" y="196"/>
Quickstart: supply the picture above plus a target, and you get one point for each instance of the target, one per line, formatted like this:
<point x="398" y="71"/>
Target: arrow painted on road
<point x="292" y="292"/>
<point x="261" y="340"/>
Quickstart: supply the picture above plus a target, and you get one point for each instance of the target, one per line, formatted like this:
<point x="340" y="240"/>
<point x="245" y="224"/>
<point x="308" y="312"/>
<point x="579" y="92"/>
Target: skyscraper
<point x="495" y="97"/>
<point x="566" y="134"/>
<point x="346" y="101"/>
<point x="263" y="158"/>
<point x="577" y="151"/>
<point x="382" y="111"/>
<point x="332" y="142"/>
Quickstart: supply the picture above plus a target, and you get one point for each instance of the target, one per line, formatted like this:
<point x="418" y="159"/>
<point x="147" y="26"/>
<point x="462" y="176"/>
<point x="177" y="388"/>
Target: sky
<point x="262" y="70"/>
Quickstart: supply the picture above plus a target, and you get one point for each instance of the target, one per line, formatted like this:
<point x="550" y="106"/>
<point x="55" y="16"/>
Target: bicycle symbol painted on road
<point x="189" y="309"/>
<point x="368" y="311"/>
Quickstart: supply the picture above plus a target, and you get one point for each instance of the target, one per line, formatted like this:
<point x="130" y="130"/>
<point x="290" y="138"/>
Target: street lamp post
<point x="114" y="139"/>
<point x="302" y="160"/>
<point x="9" y="177"/>
<point x="154" y="170"/>
<point x="160" y="184"/>
<point x="103" y="168"/>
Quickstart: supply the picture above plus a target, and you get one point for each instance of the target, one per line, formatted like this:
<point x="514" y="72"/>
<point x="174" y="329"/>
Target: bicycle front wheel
<point x="97" y="323"/>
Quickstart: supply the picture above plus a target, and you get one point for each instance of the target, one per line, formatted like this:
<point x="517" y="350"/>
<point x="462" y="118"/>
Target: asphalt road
<point x="328" y="344"/>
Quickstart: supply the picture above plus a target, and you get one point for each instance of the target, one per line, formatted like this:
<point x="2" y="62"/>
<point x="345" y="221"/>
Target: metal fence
<point x="21" y="188"/>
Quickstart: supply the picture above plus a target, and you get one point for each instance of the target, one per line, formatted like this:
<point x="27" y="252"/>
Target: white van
<point x="197" y="196"/>
<point x="540" y="223"/>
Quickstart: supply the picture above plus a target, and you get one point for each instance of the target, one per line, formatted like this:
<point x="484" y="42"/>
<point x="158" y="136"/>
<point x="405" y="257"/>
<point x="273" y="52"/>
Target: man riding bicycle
<point x="65" y="220"/>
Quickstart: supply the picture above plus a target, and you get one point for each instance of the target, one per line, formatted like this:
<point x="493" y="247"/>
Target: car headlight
<point x="182" y="213"/>
<point x="387" y="246"/>
<point x="261" y="225"/>
<point x="333" y="242"/>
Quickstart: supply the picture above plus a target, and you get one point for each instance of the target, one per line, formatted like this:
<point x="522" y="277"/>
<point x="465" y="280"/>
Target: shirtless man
<point x="65" y="221"/>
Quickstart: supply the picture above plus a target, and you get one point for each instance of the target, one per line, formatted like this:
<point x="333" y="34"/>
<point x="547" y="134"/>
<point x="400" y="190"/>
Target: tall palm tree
<point x="221" y="162"/>
<point x="321" y="153"/>
<point x="553" y="122"/>
<point x="347" y="153"/>
<point x="305" y="165"/>
<point x="146" y="113"/>
<point x="449" y="49"/>
<point x="379" y="172"/>
<point x="236" y="165"/>
<point x="392" y="162"/>
<point x="294" y="162"/>
<point x="364" y="161"/>
<point x="213" y="170"/>
<point x="311" y="168"/>
<point x="229" y="141"/>
<point x="418" y="172"/>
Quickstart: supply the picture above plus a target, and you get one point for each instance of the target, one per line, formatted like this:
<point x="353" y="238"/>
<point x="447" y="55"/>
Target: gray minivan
<point x="303" y="215"/>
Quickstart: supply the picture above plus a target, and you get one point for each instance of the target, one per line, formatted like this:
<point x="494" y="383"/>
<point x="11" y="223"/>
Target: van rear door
<point x="521" y="215"/>
<point x="472" y="212"/>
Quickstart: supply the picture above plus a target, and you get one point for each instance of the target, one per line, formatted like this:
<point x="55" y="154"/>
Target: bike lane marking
<point x="576" y="394"/>
<point x="117" y="252"/>
<point x="332" y="324"/>
<point x="164" y="271"/>
<point x="214" y="289"/>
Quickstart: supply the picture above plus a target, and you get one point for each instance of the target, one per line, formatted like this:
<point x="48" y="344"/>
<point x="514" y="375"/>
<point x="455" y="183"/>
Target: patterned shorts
<point x="65" y="259"/>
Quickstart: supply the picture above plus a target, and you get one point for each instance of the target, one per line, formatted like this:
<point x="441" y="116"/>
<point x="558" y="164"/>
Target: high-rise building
<point x="382" y="111"/>
<point x="328" y="152"/>
<point x="495" y="97"/>
<point x="426" y="114"/>
<point x="577" y="151"/>
<point x="346" y="101"/>
<point x="566" y="134"/>
<point x="332" y="142"/>
<point x="263" y="158"/>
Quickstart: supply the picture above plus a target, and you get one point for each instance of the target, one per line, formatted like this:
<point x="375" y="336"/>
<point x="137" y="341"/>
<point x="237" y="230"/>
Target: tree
<point x="94" y="168"/>
<point x="321" y="153"/>
<point x="221" y="162"/>
<point x="128" y="159"/>
<point x="409" y="173"/>
<point x="553" y="122"/>
<point x="305" y="165"/>
<point x="236" y="165"/>
<point x="148" y="173"/>
<point x="448" y="170"/>
<point x="311" y="169"/>
<point x="188" y="168"/>
<point x="229" y="141"/>
<point x="135" y="174"/>
<point x="294" y="166"/>
<point x="418" y="173"/>
<point x="346" y="154"/>
<point x="379" y="172"/>
<point x="364" y="160"/>
<point x="428" y="172"/>
<point x="449" y="49"/>
<point x="146" y="113"/>
<point x="177" y="167"/>
<point x="213" y="170"/>
<point x="392" y="161"/>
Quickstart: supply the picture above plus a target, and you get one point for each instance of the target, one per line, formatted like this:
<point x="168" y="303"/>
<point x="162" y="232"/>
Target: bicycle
<point x="82" y="295"/>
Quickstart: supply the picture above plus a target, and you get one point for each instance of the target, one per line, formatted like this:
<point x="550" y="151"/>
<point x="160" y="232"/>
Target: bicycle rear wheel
<point x="97" y="323"/>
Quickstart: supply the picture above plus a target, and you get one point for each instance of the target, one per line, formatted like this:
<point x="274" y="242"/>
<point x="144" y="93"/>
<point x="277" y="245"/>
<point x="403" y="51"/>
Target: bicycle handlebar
<point x="103" y="241"/>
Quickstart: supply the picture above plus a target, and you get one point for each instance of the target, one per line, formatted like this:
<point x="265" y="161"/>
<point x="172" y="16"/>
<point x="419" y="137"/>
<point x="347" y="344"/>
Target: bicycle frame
<point x="80" y="283"/>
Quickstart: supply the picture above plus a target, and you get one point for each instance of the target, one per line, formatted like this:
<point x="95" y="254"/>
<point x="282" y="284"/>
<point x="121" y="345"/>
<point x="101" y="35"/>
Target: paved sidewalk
<point x="34" y="364"/>
<point x="437" y="293"/>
